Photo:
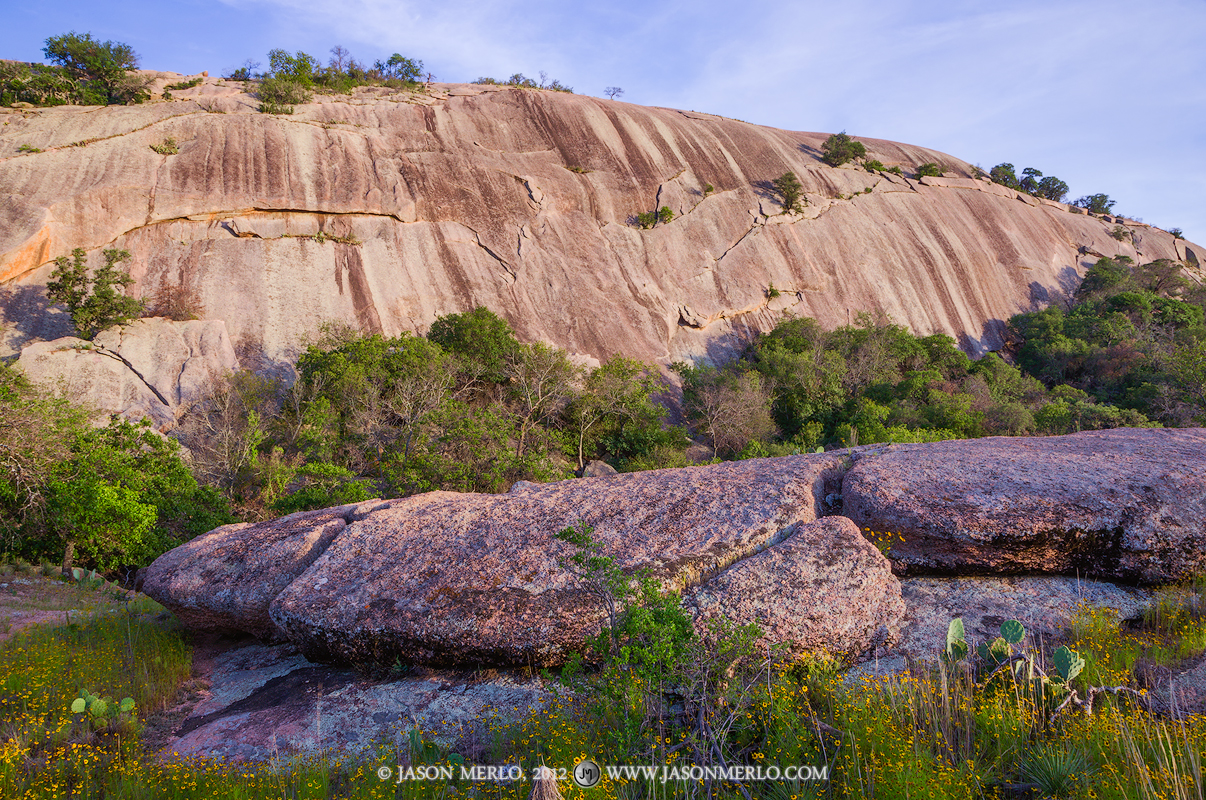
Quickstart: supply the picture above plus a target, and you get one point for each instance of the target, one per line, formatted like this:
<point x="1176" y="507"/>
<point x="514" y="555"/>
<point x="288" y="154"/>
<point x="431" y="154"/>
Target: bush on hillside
<point x="840" y="148"/>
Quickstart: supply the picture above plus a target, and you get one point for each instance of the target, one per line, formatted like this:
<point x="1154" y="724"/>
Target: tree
<point x="340" y="59"/>
<point x="95" y="304"/>
<point x="401" y="68"/>
<point x="104" y="65"/>
<point x="297" y="67"/>
<point x="615" y="411"/>
<point x="613" y="92"/>
<point x="479" y="337"/>
<point x="840" y="148"/>
<point x="731" y="408"/>
<point x="539" y="378"/>
<point x="1052" y="188"/>
<point x="1096" y="203"/>
<point x="1004" y="175"/>
<point x="1030" y="180"/>
<point x="789" y="186"/>
<point x="929" y="170"/>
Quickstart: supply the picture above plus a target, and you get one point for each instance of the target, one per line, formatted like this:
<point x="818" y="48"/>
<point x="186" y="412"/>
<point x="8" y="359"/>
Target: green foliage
<point x="1054" y="770"/>
<point x="319" y="485"/>
<point x="28" y="148"/>
<point x="874" y="165"/>
<point x="94" y="302"/>
<point x="1004" y="174"/>
<point x="1052" y="188"/>
<point x="182" y="85"/>
<point x="789" y="187"/>
<point x="956" y="642"/>
<point x="42" y="85"/>
<point x="1095" y="203"/>
<point x="480" y="338"/>
<point x="399" y="67"/>
<point x="101" y="69"/>
<point x="895" y="170"/>
<point x="930" y="170"/>
<point x="840" y="148"/>
<point x="167" y="147"/>
<point x="1120" y="232"/>
<point x="1177" y="233"/>
<point x="1125" y="342"/>
<point x="648" y="219"/>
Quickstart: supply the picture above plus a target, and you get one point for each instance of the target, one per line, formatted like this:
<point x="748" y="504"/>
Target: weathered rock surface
<point x="388" y="208"/>
<point x="1124" y="503"/>
<point x="826" y="589"/>
<point x="265" y="701"/>
<point x="154" y="368"/>
<point x="1046" y="605"/>
<point x="447" y="578"/>
<point x="226" y="579"/>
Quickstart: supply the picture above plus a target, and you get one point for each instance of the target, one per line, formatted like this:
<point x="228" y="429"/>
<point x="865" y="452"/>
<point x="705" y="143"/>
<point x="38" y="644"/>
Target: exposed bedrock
<point x="452" y="579"/>
<point x="152" y="369"/>
<point x="389" y="208"/>
<point x="226" y="579"/>
<point x="447" y="579"/>
<point x="1126" y="503"/>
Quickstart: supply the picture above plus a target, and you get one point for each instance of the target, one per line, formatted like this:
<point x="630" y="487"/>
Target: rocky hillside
<point x="389" y="208"/>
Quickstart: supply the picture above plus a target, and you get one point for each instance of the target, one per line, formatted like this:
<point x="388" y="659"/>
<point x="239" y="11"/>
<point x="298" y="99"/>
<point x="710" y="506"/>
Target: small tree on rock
<point x="840" y="148"/>
<point x="789" y="186"/>
<point x="97" y="302"/>
<point x="613" y="92"/>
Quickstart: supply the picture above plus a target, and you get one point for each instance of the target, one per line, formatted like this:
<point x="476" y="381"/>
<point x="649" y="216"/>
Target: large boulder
<point x="1124" y="503"/>
<point x="226" y="579"/>
<point x="452" y="579"/>
<point x="825" y="589"/>
<point x="153" y="368"/>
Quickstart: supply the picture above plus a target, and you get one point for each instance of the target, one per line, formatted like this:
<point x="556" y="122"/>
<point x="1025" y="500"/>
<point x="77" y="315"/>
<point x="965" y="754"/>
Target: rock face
<point x="1125" y="503"/>
<point x="825" y="589"/>
<point x="154" y="368"/>
<point x="263" y="701"/>
<point x="461" y="579"/>
<point x="226" y="579"/>
<point x="386" y="585"/>
<point x="389" y="208"/>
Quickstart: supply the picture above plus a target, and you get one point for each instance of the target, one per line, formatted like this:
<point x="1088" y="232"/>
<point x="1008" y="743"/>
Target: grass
<point x="936" y="732"/>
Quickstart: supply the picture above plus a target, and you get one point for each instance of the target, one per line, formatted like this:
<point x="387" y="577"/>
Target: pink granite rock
<point x="825" y="589"/>
<point x="1124" y="503"/>
<point x="447" y="578"/>
<point x="225" y="579"/>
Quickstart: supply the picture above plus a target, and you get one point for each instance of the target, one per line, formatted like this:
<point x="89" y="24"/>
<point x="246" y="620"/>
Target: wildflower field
<point x="81" y="695"/>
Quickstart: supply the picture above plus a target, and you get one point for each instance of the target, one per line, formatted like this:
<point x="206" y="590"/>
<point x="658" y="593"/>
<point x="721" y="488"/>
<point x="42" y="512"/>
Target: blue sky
<point x="1109" y="96"/>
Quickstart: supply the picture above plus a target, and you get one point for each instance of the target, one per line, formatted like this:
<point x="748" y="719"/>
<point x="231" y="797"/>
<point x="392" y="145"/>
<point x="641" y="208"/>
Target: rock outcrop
<point x="153" y="368"/>
<point x="822" y="590"/>
<point x="388" y="208"/>
<point x="226" y="579"/>
<point x="458" y="579"/>
<point x="1125" y="503"/>
<point x="447" y="579"/>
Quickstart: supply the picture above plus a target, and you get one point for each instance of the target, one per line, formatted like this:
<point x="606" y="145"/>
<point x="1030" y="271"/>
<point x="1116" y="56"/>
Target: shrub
<point x="94" y="302"/>
<point x="874" y="165"/>
<point x="840" y="148"/>
<point x="1095" y="203"/>
<point x="929" y="170"/>
<point x="182" y="85"/>
<point x="788" y="185"/>
<point x="41" y="85"/>
<point x="896" y="170"/>
<point x="1177" y="233"/>
<point x="279" y="95"/>
<point x="28" y="148"/>
<point x="1120" y="232"/>
<point x="167" y="147"/>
